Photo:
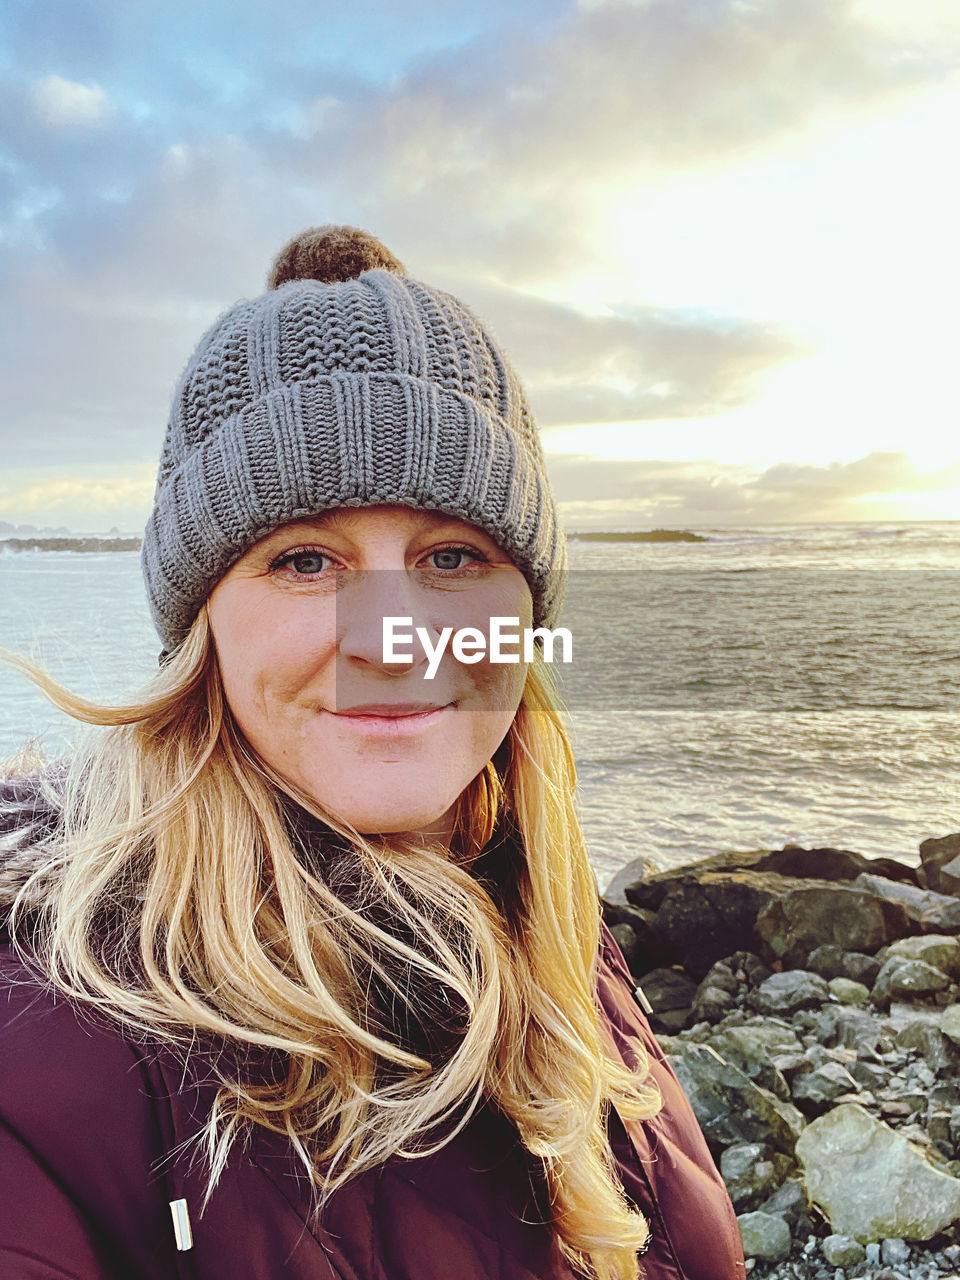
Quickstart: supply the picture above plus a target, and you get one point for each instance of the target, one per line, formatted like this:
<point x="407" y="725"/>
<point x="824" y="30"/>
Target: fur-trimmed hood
<point x="31" y="808"/>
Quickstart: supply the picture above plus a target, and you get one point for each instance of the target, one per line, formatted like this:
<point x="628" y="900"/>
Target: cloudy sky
<point x="718" y="237"/>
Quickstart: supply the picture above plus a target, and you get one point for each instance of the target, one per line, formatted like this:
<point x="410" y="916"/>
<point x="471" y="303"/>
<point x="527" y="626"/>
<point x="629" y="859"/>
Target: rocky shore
<point x="809" y="1002"/>
<point x="644" y="535"/>
<point x="71" y="543"/>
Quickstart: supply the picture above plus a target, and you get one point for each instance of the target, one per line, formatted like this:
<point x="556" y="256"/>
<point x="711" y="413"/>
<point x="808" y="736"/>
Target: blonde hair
<point x="180" y="902"/>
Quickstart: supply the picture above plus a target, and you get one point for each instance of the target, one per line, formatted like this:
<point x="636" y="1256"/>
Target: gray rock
<point x="642" y="947"/>
<point x="934" y="854"/>
<point x="938" y="1125"/>
<point x="749" y="1172"/>
<point x="950" y="876"/>
<point x="929" y="911"/>
<point x="790" y="1202"/>
<point x="813" y="912"/>
<point x="721" y="975"/>
<point x="893" y="1251"/>
<point x="730" y="1107"/>
<point x="900" y="976"/>
<point x="641" y="868"/>
<point x="831" y="864"/>
<point x="869" y="1075"/>
<point x="707" y="914"/>
<point x="768" y="1035"/>
<point x="842" y="1251"/>
<point x="790" y="1064"/>
<point x="827" y="960"/>
<point x="764" y="1236"/>
<point x="860" y="968"/>
<point x="817" y="1055"/>
<point x="787" y="992"/>
<point x="833" y="962"/>
<point x="939" y="949"/>
<point x="871" y="1182"/>
<point x="813" y="1091"/>
<point x="938" y="1052"/>
<point x="950" y="1023"/>
<point x="849" y="992"/>
<point x="849" y="1027"/>
<point x="747" y="966"/>
<point x="711" y="1003"/>
<point x="738" y="1047"/>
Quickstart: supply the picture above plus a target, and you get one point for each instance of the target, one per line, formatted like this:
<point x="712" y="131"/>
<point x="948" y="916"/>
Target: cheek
<point x="269" y="652"/>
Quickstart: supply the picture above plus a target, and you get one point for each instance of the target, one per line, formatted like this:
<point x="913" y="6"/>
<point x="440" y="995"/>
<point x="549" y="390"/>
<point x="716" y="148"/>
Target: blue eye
<point x="304" y="563"/>
<point x="455" y="553"/>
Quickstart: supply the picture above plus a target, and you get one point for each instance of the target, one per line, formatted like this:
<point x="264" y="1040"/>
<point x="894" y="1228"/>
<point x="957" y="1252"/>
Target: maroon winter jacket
<point x="90" y="1126"/>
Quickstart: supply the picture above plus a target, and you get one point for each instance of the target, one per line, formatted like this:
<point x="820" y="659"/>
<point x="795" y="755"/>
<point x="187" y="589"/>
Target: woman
<point x="305" y="972"/>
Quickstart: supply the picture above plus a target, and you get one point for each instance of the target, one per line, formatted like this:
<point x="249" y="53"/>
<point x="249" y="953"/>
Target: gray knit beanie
<point x="347" y="384"/>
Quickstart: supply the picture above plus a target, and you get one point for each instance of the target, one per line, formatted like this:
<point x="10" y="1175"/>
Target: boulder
<point x="790" y="1202"/>
<point x="815" y="1090"/>
<point x="730" y="1107"/>
<point x="750" y="1173"/>
<point x="706" y="916"/>
<point x="939" y="949"/>
<point x="950" y="1023"/>
<point x="848" y="992"/>
<point x="650" y="891"/>
<point x="738" y="1046"/>
<point x="785" y="993"/>
<point x="871" y="1182"/>
<point x="764" y="1236"/>
<point x="711" y="1003"/>
<point x="639" y="869"/>
<point x="721" y="975"/>
<point x="671" y="993"/>
<point x="895" y="1253"/>
<point x="746" y="967"/>
<point x="827" y="960"/>
<point x="645" y="949"/>
<point x="842" y="1251"/>
<point x="938" y="1052"/>
<point x="815" y="912"/>
<point x="927" y="911"/>
<point x="934" y="854"/>
<point x="832" y="864"/>
<point x="950" y="877"/>
<point x="900" y="977"/>
<point x="833" y="962"/>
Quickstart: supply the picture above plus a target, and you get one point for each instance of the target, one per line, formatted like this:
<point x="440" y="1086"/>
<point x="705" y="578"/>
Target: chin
<point x="391" y="820"/>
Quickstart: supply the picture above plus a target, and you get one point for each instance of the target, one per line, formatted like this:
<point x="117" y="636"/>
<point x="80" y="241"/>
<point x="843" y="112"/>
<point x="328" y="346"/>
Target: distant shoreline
<point x="647" y="535"/>
<point x="70" y="544"/>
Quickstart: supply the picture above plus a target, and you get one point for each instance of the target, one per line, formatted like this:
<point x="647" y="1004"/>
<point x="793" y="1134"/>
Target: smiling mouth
<point x="391" y="720"/>
<point x="391" y="709"/>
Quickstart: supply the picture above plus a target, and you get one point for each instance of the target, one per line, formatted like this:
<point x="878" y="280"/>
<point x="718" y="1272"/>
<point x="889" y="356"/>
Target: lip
<point x="391" y="720"/>
<point x="391" y="709"/>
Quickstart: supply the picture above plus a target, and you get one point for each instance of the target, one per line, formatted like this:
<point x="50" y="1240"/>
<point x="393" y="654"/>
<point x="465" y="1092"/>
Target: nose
<point x="364" y="598"/>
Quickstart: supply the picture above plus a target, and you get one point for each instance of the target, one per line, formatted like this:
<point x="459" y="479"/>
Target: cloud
<point x="615" y="493"/>
<point x="86" y="498"/>
<point x="646" y="363"/>
<point x="64" y="102"/>
<point x="485" y="160"/>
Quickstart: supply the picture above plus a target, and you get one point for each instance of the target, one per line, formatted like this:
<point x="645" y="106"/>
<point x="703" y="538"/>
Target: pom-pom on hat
<point x="347" y="383"/>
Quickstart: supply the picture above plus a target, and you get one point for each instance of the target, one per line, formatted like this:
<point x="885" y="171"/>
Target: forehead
<point x="378" y="521"/>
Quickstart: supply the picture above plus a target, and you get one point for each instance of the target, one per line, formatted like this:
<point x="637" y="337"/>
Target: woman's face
<point x="298" y="629"/>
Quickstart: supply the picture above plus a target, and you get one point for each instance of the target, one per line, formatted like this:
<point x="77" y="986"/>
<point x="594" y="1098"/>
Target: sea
<point x="767" y="685"/>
